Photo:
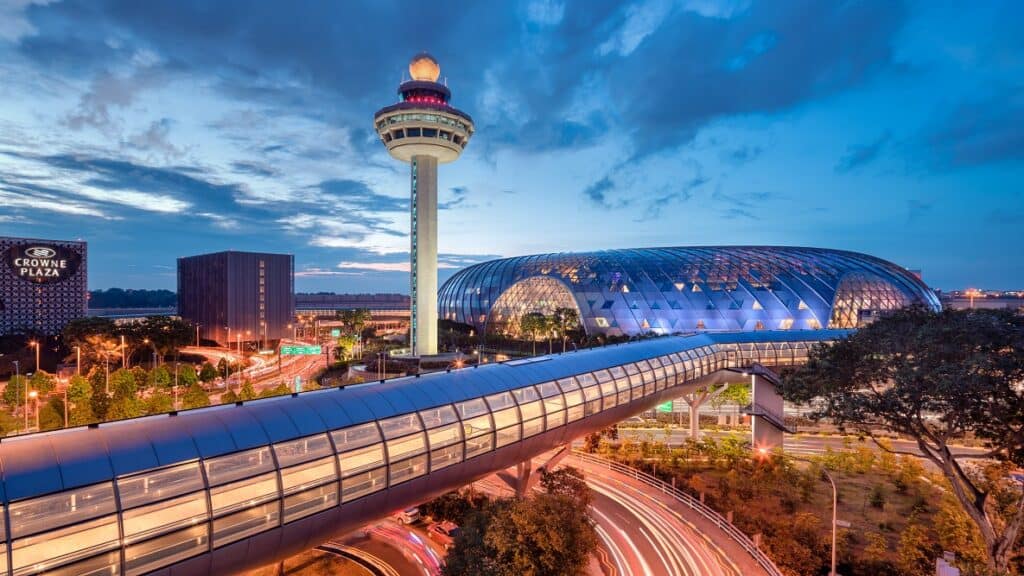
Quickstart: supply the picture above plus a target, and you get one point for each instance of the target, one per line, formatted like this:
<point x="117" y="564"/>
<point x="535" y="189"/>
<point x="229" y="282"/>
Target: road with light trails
<point x="652" y="533"/>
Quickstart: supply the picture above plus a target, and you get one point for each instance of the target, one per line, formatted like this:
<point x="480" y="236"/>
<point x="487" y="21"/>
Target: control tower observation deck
<point x="423" y="130"/>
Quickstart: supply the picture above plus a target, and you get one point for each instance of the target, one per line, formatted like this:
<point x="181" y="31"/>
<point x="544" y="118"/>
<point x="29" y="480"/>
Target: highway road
<point x="794" y="443"/>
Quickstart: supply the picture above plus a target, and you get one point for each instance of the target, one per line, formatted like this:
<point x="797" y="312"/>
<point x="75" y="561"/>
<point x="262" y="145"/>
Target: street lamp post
<point x="78" y="360"/>
<point x="124" y="359"/>
<point x="35" y="344"/>
<point x="65" y="403"/>
<point x="17" y="376"/>
<point x="175" y="384"/>
<point x="763" y="452"/>
<point x="35" y="397"/>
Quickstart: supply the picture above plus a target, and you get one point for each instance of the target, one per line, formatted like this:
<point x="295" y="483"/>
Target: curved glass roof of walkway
<point x="670" y="290"/>
<point x="223" y="488"/>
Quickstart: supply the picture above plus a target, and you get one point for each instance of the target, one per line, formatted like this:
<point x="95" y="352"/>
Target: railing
<point x="777" y="420"/>
<point x="372" y="563"/>
<point x="694" y="504"/>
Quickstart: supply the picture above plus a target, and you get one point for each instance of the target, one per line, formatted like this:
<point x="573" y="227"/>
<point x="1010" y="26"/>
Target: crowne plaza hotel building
<point x="43" y="284"/>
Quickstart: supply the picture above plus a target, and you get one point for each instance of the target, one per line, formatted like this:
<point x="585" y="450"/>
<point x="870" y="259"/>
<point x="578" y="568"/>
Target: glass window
<point x="244" y="493"/>
<point x="439" y="416"/>
<point x="239" y="465"/>
<point x="444" y="436"/>
<point x="413" y="132"/>
<point x="154" y="485"/>
<point x="609" y="393"/>
<point x="524" y="395"/>
<point x="68" y="507"/>
<point x="404" y="447"/>
<point x="311" y="501"/>
<point x="471" y="408"/>
<point x="603" y="376"/>
<point x="361" y="459"/>
<point x="245" y="523"/>
<point x="586" y="379"/>
<point x="478" y="434"/>
<point x="363" y="483"/>
<point x="500" y="401"/>
<point x="302" y="476"/>
<point x="78" y="541"/>
<point x="355" y="437"/>
<point x="165" y="550"/>
<point x="146" y="521"/>
<point x="400" y="425"/>
<point x="408" y="469"/>
<point x="533" y="427"/>
<point x="106" y="564"/>
<point x="302" y="450"/>
<point x="506" y="418"/>
<point x="446" y="456"/>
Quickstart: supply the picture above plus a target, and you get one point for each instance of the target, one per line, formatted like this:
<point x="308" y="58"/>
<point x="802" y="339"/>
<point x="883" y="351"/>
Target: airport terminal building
<point x="685" y="289"/>
<point x="43" y="285"/>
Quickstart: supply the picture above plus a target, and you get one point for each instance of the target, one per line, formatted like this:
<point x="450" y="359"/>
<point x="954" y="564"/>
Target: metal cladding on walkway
<point x="221" y="489"/>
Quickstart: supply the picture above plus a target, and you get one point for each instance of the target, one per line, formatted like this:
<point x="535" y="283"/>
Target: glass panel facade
<point x="361" y="459"/>
<point x="408" y="469"/>
<point x="355" y="437"/>
<point x="165" y="550"/>
<point x="55" y="510"/>
<point x="251" y="521"/>
<point x="400" y="425"/>
<point x="239" y="465"/>
<point x="411" y="445"/>
<point x="146" y="521"/>
<point x="479" y="434"/>
<point x="438" y="416"/>
<point x="363" y="483"/>
<point x="159" y="484"/>
<point x="32" y="554"/>
<point x="302" y="476"/>
<point x="230" y="497"/>
<point x="302" y="450"/>
<point x="302" y="504"/>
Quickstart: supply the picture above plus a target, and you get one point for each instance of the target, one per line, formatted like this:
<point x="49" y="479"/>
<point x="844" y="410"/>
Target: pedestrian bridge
<point x="225" y="488"/>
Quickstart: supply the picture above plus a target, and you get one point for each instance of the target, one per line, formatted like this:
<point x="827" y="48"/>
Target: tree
<point x="472" y="555"/>
<point x="247" y="392"/>
<point x="51" y="414"/>
<point x="141" y="377"/>
<point x="160" y="378"/>
<point x="279" y="390"/>
<point x="186" y="376"/>
<point x="207" y="373"/>
<point x="534" y="324"/>
<point x="548" y="534"/>
<point x="41" y="382"/>
<point x="125" y="402"/>
<point x="346" y="344"/>
<point x="195" y="397"/>
<point x="354" y="320"/>
<point x="569" y="482"/>
<point x="564" y="320"/>
<point x="159" y="402"/>
<point x="14" y="392"/>
<point x="91" y="334"/>
<point x="80" y="401"/>
<point x="933" y="376"/>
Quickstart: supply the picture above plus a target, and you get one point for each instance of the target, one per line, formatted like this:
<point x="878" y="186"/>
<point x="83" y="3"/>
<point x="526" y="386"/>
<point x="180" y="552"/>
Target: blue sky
<point x="162" y="129"/>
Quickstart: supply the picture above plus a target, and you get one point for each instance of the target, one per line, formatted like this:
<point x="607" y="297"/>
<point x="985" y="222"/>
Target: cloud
<point x="14" y="24"/>
<point x="980" y="131"/>
<point x="863" y="154"/>
<point x="109" y="92"/>
<point x="743" y="154"/>
<point x="597" y="192"/>
<point x="640" y="21"/>
<point x="156" y="139"/>
<point x="545" y="12"/>
<point x="317" y="272"/>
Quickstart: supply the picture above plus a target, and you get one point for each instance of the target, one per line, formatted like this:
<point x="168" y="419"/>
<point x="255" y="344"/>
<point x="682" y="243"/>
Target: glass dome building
<point x="684" y="289"/>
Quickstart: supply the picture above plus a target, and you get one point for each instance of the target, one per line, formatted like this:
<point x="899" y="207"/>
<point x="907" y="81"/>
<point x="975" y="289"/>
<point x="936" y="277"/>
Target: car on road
<point x="407" y="516"/>
<point x="444" y="533"/>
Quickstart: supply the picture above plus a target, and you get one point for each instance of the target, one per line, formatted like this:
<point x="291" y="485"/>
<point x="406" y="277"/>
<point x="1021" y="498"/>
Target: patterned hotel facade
<point x="43" y="284"/>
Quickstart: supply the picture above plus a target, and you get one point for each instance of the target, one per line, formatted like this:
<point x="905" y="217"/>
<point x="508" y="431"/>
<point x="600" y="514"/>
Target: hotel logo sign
<point x="42" y="263"/>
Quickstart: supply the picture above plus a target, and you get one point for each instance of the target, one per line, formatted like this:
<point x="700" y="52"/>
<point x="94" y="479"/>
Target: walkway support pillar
<point x="695" y="400"/>
<point x="768" y="401"/>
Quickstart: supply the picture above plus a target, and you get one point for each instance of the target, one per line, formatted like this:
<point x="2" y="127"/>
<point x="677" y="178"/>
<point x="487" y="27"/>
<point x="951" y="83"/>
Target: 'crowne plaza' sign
<point x="42" y="263"/>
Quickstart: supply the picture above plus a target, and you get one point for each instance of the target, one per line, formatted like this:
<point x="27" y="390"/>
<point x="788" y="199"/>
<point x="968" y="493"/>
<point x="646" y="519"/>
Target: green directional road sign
<point x="335" y="333"/>
<point x="665" y="407"/>
<point x="299" y="350"/>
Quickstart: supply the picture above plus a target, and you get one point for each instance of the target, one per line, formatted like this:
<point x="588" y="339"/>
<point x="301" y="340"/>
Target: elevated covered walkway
<point x="221" y="489"/>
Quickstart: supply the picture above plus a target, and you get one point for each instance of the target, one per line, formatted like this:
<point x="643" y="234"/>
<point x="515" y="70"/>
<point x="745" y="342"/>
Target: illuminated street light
<point x="35" y="344"/>
<point x="35" y="397"/>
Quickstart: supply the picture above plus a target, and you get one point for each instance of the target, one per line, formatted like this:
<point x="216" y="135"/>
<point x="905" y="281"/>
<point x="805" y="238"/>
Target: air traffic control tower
<point x="423" y="130"/>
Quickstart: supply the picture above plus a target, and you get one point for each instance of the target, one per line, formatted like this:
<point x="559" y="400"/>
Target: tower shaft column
<point x="423" y="255"/>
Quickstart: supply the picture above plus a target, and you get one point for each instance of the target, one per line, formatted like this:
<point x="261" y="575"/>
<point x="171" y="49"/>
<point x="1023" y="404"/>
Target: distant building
<point x="389" y="312"/>
<point x="43" y="284"/>
<point x="238" y="296"/>
<point x="962" y="301"/>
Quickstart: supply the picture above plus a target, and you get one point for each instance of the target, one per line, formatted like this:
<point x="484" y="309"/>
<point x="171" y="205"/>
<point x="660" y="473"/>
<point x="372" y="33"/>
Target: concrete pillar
<point x="423" y="255"/>
<point x="694" y="421"/>
<point x="765" y="397"/>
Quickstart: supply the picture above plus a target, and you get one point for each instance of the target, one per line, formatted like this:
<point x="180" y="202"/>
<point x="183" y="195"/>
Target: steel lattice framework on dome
<point x="685" y="289"/>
